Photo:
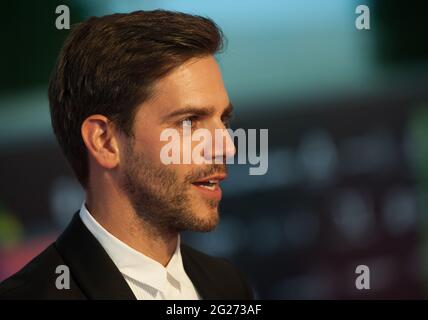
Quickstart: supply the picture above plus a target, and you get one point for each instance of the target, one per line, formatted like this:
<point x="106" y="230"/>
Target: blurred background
<point x="347" y="113"/>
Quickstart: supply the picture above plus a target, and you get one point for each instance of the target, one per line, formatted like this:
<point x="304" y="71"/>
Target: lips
<point x="210" y="186"/>
<point x="211" y="182"/>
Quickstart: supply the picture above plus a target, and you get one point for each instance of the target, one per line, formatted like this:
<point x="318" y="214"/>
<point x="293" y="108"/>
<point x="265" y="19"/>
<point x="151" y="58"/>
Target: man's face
<point x="178" y="196"/>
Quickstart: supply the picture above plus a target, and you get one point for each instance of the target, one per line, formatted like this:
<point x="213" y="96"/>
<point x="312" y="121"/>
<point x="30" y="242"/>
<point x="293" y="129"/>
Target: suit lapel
<point x="199" y="276"/>
<point x="99" y="278"/>
<point x="91" y="267"/>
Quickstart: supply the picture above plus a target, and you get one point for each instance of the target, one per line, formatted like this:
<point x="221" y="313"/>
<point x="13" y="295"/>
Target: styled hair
<point x="109" y="65"/>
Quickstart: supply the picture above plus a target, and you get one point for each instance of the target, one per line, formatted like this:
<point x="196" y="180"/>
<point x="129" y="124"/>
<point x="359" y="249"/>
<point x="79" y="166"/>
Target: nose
<point x="222" y="147"/>
<point x="229" y="149"/>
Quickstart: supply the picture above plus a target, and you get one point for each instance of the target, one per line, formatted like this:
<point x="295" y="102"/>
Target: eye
<point x="189" y="122"/>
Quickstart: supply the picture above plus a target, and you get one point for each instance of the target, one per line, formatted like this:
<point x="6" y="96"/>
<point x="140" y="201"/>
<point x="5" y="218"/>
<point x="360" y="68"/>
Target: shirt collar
<point x="131" y="262"/>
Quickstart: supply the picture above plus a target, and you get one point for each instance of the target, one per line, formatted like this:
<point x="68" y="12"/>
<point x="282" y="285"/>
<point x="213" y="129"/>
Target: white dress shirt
<point x="147" y="278"/>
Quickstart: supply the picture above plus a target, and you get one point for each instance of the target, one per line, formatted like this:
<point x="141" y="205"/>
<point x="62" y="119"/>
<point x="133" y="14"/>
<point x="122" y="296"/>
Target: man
<point x="119" y="82"/>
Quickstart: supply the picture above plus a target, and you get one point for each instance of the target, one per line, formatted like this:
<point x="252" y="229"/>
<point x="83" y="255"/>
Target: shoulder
<point x="220" y="271"/>
<point x="37" y="279"/>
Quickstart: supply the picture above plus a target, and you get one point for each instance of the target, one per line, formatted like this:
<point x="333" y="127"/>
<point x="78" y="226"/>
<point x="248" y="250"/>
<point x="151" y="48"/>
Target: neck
<point x="115" y="213"/>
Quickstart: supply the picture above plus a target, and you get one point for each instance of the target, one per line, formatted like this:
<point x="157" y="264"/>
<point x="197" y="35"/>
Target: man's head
<point x="122" y="79"/>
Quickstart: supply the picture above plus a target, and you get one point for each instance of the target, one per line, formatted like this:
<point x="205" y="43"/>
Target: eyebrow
<point x="198" y="111"/>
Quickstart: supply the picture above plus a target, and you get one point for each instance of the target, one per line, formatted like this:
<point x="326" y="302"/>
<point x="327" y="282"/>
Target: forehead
<point x="198" y="82"/>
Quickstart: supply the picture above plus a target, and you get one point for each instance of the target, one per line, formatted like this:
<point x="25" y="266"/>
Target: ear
<point x="100" y="138"/>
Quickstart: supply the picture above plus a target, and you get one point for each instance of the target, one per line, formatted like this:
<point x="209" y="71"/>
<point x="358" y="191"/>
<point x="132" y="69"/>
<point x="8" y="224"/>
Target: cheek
<point x="181" y="170"/>
<point x="150" y="145"/>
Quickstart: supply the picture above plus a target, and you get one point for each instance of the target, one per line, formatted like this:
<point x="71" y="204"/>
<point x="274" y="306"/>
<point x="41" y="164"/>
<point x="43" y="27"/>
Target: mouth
<point x="210" y="186"/>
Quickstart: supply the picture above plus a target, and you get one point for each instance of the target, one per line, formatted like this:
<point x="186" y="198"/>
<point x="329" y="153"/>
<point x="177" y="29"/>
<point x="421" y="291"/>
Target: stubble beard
<point x="161" y="202"/>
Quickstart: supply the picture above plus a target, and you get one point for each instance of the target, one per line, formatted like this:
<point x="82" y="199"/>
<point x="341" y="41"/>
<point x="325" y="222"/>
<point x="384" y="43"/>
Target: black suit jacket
<point x="93" y="275"/>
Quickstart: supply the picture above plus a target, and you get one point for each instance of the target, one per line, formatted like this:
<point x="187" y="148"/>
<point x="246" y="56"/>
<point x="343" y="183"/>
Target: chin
<point x="205" y="227"/>
<point x="206" y="219"/>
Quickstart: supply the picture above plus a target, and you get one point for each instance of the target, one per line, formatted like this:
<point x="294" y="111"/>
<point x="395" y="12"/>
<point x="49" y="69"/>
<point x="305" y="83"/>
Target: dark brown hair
<point x="108" y="65"/>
